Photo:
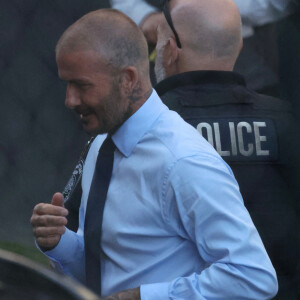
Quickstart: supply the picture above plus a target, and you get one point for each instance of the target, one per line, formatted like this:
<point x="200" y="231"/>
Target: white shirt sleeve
<point x="137" y="10"/>
<point x="253" y="12"/>
<point x="203" y="205"/>
<point x="260" y="12"/>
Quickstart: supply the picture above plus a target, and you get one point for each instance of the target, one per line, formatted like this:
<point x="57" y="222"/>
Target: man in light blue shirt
<point x="174" y="224"/>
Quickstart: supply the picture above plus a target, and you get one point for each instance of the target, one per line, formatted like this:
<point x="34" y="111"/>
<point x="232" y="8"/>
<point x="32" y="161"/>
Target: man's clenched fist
<point x="48" y="222"/>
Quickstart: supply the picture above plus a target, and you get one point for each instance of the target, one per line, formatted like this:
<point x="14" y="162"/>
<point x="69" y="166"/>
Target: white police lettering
<point x="218" y="141"/>
<point x="233" y="139"/>
<point x="242" y="149"/>
<point x="245" y="137"/>
<point x="259" y="138"/>
<point x="209" y="132"/>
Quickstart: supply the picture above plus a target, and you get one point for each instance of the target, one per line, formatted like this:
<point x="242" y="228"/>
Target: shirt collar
<point x="133" y="129"/>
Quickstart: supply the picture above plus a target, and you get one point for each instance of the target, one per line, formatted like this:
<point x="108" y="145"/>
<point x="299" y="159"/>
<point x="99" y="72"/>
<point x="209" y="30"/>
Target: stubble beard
<point x="116" y="111"/>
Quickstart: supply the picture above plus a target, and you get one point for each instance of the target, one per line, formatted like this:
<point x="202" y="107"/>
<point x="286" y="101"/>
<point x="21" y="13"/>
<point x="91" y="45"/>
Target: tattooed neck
<point x="148" y="94"/>
<point x="137" y="94"/>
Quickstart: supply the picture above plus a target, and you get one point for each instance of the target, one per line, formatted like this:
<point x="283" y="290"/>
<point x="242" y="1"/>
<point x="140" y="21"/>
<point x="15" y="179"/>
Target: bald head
<point x="112" y="35"/>
<point x="210" y="33"/>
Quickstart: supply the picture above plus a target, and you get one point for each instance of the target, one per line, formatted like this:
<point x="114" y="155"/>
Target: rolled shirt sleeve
<point x="202" y="191"/>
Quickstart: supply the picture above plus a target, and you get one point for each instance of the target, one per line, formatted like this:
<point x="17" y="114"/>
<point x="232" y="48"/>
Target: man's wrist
<point x="132" y="294"/>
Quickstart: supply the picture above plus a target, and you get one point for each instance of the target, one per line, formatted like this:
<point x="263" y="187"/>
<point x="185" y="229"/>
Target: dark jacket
<point x="255" y="135"/>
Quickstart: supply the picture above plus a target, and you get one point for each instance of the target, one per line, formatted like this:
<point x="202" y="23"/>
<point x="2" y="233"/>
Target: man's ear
<point x="129" y="79"/>
<point x="171" y="52"/>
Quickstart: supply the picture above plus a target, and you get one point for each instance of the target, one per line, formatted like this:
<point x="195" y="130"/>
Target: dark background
<point x="40" y="140"/>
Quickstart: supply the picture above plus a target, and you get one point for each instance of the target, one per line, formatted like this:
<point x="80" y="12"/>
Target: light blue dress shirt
<point x="174" y="221"/>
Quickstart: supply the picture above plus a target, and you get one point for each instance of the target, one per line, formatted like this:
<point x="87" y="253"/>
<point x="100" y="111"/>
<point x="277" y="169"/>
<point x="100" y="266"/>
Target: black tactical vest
<point x="256" y="136"/>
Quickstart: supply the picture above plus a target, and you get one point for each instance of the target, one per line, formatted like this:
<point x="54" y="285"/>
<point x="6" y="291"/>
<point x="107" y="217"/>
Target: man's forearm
<point x="133" y="294"/>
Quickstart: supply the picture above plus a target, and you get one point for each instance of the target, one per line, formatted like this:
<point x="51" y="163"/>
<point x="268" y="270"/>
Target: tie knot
<point x="107" y="147"/>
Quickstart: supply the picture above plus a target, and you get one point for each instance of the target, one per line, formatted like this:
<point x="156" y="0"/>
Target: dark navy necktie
<point x="94" y="214"/>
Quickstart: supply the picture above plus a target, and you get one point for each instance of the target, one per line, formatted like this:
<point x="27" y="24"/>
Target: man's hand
<point x="149" y="26"/>
<point x="48" y="222"/>
<point x="133" y="294"/>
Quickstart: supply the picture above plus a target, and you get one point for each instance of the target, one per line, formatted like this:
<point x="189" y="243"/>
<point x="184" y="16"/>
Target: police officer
<point x="198" y="44"/>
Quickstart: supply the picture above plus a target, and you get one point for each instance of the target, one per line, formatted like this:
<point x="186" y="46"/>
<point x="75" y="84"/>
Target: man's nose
<point x="72" y="97"/>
